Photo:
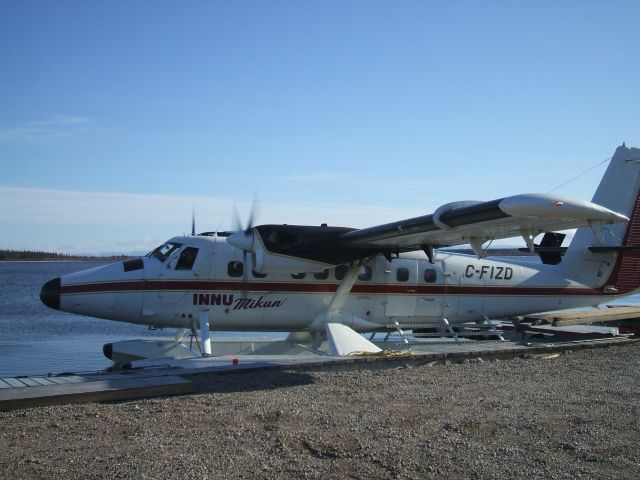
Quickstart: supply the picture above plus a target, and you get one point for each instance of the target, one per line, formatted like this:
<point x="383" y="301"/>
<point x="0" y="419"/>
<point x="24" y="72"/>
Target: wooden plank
<point x="72" y="378"/>
<point x="43" y="381"/>
<point x="578" y="317"/>
<point x="58" y="380"/>
<point x="99" y="391"/>
<point x="29" y="382"/>
<point x="14" y="382"/>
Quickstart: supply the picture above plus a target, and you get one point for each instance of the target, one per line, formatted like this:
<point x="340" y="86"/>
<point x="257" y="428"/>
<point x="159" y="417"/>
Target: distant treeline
<point x="8" y="255"/>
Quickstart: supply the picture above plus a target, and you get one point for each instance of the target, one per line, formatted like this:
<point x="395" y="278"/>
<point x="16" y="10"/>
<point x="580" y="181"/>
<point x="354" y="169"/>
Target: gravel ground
<point x="573" y="416"/>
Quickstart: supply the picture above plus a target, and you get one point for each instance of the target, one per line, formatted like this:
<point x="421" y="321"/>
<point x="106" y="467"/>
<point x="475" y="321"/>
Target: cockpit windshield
<point x="164" y="251"/>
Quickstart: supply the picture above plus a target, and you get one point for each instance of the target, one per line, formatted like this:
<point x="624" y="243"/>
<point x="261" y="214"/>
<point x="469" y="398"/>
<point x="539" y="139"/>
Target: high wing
<point x="455" y="223"/>
<point x="463" y="222"/>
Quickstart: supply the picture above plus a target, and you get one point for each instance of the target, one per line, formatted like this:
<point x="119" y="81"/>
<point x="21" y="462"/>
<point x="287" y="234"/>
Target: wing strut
<point x="205" y="338"/>
<point x="336" y="323"/>
<point x="528" y="237"/>
<point x="428" y="250"/>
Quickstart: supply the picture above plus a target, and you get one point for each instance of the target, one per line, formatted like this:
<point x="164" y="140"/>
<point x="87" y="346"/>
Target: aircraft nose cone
<point x="50" y="293"/>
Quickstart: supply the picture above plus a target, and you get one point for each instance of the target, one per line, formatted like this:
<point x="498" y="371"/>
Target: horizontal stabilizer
<point x="550" y="249"/>
<point x="345" y="341"/>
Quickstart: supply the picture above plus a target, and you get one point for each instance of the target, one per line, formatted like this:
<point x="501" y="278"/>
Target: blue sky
<point x="116" y="117"/>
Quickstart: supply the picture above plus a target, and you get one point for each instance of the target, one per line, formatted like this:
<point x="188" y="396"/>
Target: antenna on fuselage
<point x="193" y="220"/>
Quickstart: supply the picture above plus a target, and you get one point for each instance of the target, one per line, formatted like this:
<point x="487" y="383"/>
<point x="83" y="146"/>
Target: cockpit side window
<point x="187" y="258"/>
<point x="164" y="251"/>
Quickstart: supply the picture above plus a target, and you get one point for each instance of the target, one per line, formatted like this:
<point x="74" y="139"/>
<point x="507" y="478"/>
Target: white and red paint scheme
<point x="294" y="278"/>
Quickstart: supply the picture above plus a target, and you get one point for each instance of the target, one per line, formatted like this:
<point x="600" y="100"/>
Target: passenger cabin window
<point x="235" y="269"/>
<point x="323" y="275"/>
<point x="430" y="275"/>
<point x="187" y="258"/>
<point x="365" y="273"/>
<point x="341" y="271"/>
<point x="402" y="274"/>
<point x="298" y="276"/>
<point x="258" y="275"/>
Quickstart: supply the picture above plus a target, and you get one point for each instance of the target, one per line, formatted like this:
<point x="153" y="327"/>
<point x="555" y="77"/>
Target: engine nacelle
<point x="265" y="262"/>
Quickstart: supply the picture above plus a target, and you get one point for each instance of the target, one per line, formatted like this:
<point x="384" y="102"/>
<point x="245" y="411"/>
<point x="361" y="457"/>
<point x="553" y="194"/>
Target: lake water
<point x="36" y="340"/>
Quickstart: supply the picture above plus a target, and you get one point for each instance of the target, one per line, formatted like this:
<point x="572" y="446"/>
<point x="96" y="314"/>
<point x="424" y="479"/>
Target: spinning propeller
<point x="243" y="239"/>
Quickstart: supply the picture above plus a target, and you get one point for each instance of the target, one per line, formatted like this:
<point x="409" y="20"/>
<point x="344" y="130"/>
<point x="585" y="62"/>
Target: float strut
<point x="488" y="321"/>
<point x="180" y="335"/>
<point x="451" y="331"/>
<point x="205" y="339"/>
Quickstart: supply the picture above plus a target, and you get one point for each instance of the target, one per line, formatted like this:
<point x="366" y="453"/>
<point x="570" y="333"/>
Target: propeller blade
<point x="253" y="214"/>
<point x="237" y="223"/>
<point x="243" y="239"/>
<point x="245" y="276"/>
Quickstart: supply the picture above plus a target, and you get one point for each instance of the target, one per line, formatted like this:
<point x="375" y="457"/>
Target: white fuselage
<point x="409" y="290"/>
<point x="208" y="280"/>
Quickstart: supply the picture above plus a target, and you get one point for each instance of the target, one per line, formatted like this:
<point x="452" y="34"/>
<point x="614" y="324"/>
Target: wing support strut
<point x="528" y="237"/>
<point x="342" y="293"/>
<point x="337" y="324"/>
<point x="476" y="245"/>
<point x="428" y="250"/>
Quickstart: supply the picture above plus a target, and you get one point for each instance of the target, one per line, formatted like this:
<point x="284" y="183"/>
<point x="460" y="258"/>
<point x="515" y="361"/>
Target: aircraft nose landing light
<point x="50" y="293"/>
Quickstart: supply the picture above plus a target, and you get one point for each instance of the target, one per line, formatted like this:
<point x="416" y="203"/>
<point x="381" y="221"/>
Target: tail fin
<point x="614" y="269"/>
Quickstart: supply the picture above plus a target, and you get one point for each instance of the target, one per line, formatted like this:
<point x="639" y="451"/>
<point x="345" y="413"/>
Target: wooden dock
<point x="175" y="377"/>
<point x="583" y="317"/>
<point x="27" y="392"/>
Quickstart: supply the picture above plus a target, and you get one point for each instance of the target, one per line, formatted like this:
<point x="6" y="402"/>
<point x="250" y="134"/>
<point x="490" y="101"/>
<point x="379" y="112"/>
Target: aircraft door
<point x="450" y="283"/>
<point x="432" y="290"/>
<point x="401" y="278"/>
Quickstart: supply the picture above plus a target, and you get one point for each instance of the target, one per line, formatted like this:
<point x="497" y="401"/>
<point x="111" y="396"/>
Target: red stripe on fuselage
<point x="305" y="287"/>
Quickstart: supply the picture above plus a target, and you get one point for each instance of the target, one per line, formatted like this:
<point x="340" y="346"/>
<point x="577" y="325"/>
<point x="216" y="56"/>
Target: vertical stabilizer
<point x="618" y="191"/>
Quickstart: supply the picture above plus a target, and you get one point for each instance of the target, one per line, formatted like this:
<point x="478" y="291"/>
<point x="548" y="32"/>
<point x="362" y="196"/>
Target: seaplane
<point x="330" y="283"/>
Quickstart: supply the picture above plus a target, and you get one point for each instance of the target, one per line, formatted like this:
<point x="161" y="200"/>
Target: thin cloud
<point x="49" y="206"/>
<point x="53" y="128"/>
<point x="60" y="121"/>
<point x="64" y="207"/>
<point x="126" y="222"/>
